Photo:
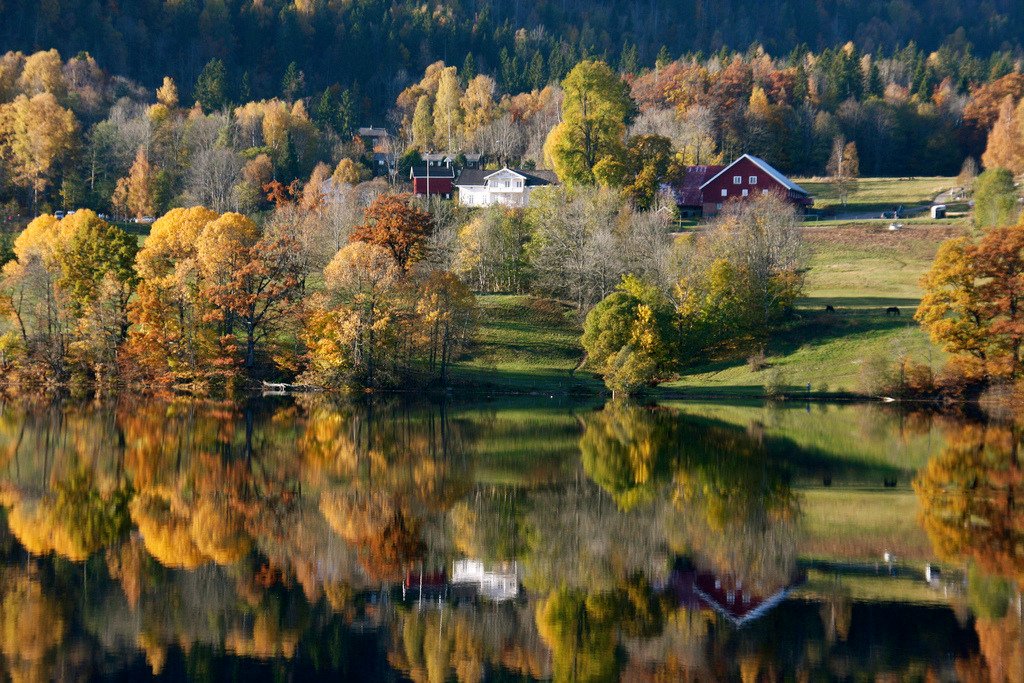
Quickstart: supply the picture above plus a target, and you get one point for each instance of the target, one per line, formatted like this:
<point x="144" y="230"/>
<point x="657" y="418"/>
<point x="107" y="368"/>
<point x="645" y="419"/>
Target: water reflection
<point x="313" y="539"/>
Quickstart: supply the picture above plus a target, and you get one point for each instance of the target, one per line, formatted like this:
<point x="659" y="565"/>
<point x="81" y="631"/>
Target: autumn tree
<point x="1005" y="147"/>
<point x="843" y="167"/>
<point x="167" y="93"/>
<point x="742" y="277"/>
<point x="36" y="135"/>
<point x="169" y="340"/>
<point x="627" y="335"/>
<point x="448" y="111"/>
<point x="346" y="172"/>
<point x="446" y="312"/>
<point x="353" y="326"/>
<point x="423" y="124"/>
<point x="974" y="302"/>
<point x="392" y="222"/>
<point x="135" y="194"/>
<point x="595" y="111"/>
<point x="251" y="278"/>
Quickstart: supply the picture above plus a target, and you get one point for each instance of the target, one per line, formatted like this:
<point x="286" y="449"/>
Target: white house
<point x="506" y="187"/>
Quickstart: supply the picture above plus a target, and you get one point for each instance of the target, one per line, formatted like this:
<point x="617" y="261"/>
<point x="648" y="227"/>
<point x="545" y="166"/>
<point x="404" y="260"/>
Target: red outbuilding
<point x="433" y="179"/>
<point x="749" y="176"/>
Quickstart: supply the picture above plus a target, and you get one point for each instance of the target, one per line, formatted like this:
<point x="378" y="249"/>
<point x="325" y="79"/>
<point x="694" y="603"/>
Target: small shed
<point x="939" y="211"/>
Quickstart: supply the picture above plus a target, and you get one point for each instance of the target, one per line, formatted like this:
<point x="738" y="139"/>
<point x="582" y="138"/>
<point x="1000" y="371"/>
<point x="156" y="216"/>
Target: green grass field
<point x="860" y="271"/>
<point x="876" y="194"/>
<point x="525" y="344"/>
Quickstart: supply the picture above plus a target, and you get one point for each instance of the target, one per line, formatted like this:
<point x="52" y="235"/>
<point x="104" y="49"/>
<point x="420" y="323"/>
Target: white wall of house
<point x="504" y="187"/>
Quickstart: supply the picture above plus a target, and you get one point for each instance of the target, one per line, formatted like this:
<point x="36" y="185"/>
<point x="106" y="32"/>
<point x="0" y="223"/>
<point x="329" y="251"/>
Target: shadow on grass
<point x="854" y="316"/>
<point x="857" y="304"/>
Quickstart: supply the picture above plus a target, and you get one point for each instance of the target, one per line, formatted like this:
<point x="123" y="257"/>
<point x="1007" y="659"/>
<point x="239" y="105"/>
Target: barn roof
<point x="767" y="168"/>
<point x="688" y="191"/>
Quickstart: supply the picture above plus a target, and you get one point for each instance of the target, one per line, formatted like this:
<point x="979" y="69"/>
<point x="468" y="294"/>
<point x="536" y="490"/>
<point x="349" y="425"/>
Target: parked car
<point x="58" y="215"/>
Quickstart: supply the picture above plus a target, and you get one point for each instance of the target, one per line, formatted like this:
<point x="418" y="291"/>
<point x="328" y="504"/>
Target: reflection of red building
<point x="697" y="590"/>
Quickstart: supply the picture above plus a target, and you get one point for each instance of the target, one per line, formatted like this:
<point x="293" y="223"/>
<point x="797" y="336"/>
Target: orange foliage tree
<point x="394" y="223"/>
<point x="974" y="302"/>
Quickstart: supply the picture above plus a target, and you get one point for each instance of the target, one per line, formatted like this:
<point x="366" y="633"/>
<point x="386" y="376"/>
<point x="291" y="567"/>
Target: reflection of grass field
<point x="861" y="525"/>
<point x="860" y="271"/>
<point x="881" y="194"/>
<point x="881" y="588"/>
<point x="861" y="444"/>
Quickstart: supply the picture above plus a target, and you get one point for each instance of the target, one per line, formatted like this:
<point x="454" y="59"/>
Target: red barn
<point x="433" y="180"/>
<point x="746" y="177"/>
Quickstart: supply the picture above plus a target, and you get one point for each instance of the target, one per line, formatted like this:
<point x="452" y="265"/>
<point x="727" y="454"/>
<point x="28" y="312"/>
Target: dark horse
<point x="892" y="310"/>
<point x="830" y="308"/>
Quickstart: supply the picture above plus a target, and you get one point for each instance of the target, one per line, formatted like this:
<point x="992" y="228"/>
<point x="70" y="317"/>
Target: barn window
<point x="745" y="193"/>
<point x="725" y="192"/>
<point x="737" y="180"/>
<point x="752" y="180"/>
<point x="764" y="191"/>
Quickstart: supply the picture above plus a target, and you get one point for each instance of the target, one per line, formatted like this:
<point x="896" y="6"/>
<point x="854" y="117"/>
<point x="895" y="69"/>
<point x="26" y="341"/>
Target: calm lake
<point x="510" y="540"/>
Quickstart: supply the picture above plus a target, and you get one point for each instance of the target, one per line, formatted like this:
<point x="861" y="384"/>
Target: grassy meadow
<point x="860" y="268"/>
<point x="876" y="194"/>
<point x="860" y="271"/>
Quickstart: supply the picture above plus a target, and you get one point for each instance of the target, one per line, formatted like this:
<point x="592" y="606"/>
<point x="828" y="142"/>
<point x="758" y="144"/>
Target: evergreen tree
<point x="209" y="90"/>
<point x="628" y="59"/>
<point x="245" y="88"/>
<point x="293" y="83"/>
<point x="468" y="69"/>
<point x="535" y="75"/>
<point x="874" y="87"/>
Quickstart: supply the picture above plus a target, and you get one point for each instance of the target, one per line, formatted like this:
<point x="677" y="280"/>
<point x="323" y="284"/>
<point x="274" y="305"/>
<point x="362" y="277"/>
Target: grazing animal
<point x="889" y="483"/>
<point x="830" y="308"/>
<point x="827" y="480"/>
<point x="892" y="310"/>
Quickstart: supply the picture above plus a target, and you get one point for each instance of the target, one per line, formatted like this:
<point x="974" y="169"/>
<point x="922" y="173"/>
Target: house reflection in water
<point x="469" y="580"/>
<point x="496" y="582"/>
<point x="740" y="605"/>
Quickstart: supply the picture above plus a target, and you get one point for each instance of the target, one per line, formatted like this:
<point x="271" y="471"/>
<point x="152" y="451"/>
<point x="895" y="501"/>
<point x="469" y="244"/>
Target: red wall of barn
<point x="437" y="185"/>
<point x="744" y="168"/>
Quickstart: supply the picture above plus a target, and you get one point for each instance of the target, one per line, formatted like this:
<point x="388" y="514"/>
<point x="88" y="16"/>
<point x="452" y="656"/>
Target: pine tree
<point x="874" y="87"/>
<point x="468" y="68"/>
<point x="535" y="76"/>
<point x="663" y="58"/>
<point x="628" y="59"/>
<point x="209" y="90"/>
<point x="293" y="82"/>
<point x="325" y="113"/>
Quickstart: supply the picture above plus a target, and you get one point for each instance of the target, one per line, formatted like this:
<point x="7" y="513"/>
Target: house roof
<point x="371" y="132"/>
<point x="438" y="172"/>
<point x="687" y="191"/>
<point x="764" y="166"/>
<point x="478" y="176"/>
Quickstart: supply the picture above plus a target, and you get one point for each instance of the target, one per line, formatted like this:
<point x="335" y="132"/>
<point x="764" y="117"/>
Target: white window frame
<point x="752" y="180"/>
<point x="764" y="191"/>
<point x="725" y="192"/>
<point x="737" y="180"/>
<point x="746" y="192"/>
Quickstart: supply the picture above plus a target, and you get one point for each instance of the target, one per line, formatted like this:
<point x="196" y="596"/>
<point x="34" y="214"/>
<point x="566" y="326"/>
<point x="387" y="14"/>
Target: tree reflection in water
<point x="282" y="538"/>
<point x="972" y="506"/>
